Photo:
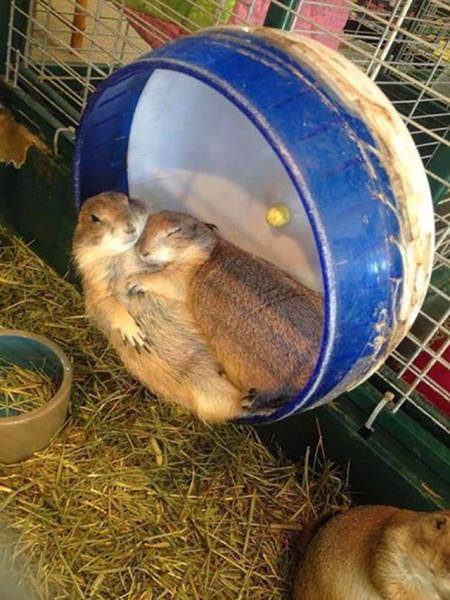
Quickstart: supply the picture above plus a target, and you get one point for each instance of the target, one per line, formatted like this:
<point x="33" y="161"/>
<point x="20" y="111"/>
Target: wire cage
<point x="58" y="51"/>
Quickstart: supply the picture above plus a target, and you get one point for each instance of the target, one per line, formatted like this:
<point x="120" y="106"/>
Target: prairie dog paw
<point x="263" y="402"/>
<point x="155" y="267"/>
<point x="131" y="333"/>
<point x="247" y="400"/>
<point x="134" y="287"/>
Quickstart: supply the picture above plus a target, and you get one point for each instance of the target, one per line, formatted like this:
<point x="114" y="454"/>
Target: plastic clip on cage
<point x="231" y="122"/>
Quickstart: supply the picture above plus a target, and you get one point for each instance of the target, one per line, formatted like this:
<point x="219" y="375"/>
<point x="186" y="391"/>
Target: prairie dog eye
<point x="440" y="523"/>
<point x="95" y="219"/>
<point x="174" y="231"/>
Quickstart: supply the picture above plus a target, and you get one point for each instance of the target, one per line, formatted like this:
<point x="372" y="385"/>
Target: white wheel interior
<point x="190" y="149"/>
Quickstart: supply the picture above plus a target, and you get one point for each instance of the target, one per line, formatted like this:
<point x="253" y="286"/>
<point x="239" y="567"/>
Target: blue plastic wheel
<point x="230" y="122"/>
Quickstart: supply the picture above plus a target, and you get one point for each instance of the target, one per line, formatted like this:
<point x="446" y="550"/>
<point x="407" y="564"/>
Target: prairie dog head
<point x="171" y="236"/>
<point x="423" y="541"/>
<point x="108" y="224"/>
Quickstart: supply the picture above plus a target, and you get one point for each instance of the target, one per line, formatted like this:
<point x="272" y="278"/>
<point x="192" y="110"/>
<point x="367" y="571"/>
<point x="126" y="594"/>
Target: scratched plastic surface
<point x="224" y="124"/>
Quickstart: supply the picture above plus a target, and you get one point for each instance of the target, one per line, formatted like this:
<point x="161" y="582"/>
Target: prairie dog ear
<point x="211" y="226"/>
<point x="139" y="205"/>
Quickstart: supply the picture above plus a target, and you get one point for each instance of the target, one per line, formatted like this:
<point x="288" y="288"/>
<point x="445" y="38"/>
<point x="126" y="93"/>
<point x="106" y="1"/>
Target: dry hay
<point x="135" y="499"/>
<point x="23" y="389"/>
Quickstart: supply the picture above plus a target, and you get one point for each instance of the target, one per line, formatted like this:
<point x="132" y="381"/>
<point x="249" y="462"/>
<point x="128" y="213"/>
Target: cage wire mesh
<point x="58" y="50"/>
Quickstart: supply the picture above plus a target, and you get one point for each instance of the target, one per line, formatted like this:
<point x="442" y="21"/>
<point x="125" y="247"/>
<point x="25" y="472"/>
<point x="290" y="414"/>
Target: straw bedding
<point x="23" y="389"/>
<point x="134" y="498"/>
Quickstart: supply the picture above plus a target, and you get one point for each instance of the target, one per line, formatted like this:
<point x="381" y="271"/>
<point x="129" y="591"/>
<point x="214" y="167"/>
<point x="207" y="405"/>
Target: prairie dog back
<point x="378" y="553"/>
<point x="264" y="326"/>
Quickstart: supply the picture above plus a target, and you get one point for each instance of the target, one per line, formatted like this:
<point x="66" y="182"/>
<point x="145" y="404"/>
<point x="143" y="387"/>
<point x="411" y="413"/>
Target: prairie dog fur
<point x="155" y="337"/>
<point x="264" y="326"/>
<point x="378" y="553"/>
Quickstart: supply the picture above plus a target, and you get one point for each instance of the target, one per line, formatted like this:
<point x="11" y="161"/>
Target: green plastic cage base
<point x="399" y="463"/>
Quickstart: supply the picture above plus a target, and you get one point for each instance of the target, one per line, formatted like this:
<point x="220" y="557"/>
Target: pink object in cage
<point x="248" y="12"/>
<point x="332" y="18"/>
<point x="153" y="30"/>
<point x="157" y="31"/>
<point x="438" y="373"/>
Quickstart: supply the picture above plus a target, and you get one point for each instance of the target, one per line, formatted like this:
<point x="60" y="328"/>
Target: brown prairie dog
<point x="108" y="227"/>
<point x="155" y="337"/>
<point x="264" y="326"/>
<point x="378" y="553"/>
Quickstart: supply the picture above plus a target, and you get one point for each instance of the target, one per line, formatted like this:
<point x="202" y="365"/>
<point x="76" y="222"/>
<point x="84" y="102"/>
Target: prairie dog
<point x="264" y="326"/>
<point x="156" y="338"/>
<point x="108" y="226"/>
<point x="378" y="553"/>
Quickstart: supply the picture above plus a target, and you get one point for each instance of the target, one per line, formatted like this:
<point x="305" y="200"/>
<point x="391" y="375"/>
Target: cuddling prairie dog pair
<point x="155" y="336"/>
<point x="378" y="553"/>
<point x="264" y="327"/>
<point x="183" y="283"/>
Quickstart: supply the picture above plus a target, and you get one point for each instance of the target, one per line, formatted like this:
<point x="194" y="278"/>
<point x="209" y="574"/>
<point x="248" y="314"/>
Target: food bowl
<point x="23" y="434"/>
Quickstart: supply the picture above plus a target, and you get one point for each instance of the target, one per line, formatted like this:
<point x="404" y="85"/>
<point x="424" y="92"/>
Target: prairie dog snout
<point x="378" y="553"/>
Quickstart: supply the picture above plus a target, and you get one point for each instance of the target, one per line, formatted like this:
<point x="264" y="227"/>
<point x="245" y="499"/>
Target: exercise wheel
<point x="252" y="128"/>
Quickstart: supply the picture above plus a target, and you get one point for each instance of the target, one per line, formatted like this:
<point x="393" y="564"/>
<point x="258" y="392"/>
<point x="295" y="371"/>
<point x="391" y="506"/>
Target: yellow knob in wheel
<point x="278" y="215"/>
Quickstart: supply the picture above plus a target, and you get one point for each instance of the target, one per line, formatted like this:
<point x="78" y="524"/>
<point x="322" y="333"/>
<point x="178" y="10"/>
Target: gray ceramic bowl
<point x="23" y="434"/>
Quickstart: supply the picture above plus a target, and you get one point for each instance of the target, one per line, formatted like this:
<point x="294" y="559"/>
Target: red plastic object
<point x="151" y="29"/>
<point x="438" y="373"/>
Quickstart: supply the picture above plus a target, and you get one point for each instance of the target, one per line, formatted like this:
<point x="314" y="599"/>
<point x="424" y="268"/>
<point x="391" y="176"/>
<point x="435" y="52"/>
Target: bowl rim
<point x="61" y="394"/>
